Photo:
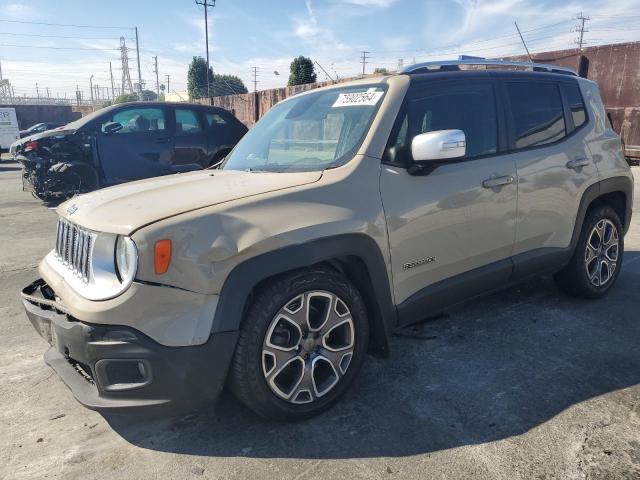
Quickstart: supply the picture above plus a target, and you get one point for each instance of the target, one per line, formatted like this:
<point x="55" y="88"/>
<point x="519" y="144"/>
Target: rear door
<point x="450" y="227"/>
<point x="547" y="138"/>
<point x="142" y="148"/>
<point x="190" y="138"/>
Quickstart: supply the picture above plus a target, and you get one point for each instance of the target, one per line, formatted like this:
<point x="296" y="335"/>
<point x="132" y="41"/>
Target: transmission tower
<point x="127" y="86"/>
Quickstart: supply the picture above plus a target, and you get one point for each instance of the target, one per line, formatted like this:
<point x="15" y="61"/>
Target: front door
<point x="453" y="225"/>
<point x="142" y="148"/>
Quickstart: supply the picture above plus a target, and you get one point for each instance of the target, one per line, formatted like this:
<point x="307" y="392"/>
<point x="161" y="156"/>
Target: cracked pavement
<point x="526" y="383"/>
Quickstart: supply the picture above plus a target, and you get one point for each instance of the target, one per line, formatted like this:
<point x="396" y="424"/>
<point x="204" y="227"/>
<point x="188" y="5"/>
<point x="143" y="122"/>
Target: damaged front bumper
<point x="118" y="369"/>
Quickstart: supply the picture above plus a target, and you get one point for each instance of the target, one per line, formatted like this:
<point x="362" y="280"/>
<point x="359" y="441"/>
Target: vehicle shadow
<point x="488" y="370"/>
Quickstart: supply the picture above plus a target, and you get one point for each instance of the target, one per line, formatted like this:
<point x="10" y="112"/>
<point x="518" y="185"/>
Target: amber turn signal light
<point x="162" y="257"/>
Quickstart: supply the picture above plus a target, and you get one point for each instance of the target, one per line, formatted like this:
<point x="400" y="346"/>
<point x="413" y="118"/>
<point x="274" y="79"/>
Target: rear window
<point x="537" y="113"/>
<point x="576" y="105"/>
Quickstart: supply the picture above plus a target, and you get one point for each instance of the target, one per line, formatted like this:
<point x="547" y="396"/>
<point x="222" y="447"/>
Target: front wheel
<point x="301" y="345"/>
<point x="597" y="260"/>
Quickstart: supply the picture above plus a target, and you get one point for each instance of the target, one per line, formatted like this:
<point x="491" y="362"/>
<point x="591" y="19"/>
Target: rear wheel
<point x="596" y="262"/>
<point x="301" y="345"/>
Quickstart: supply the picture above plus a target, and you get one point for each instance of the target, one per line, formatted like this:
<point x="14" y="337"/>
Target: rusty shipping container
<point x="616" y="69"/>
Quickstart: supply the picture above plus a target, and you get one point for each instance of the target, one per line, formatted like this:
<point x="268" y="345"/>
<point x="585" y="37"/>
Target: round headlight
<point x="126" y="259"/>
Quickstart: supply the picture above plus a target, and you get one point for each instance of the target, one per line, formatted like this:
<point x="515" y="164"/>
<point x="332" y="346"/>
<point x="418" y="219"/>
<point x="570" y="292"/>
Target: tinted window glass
<point x="576" y="105"/>
<point x="470" y="109"/>
<point x="215" y="118"/>
<point x="187" y="122"/>
<point x="537" y="113"/>
<point x="139" y="119"/>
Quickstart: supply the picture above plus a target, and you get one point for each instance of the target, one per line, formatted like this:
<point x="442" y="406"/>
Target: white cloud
<point x="371" y="3"/>
<point x="18" y="10"/>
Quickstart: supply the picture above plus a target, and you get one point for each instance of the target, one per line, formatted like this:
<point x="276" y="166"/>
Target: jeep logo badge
<point x="72" y="209"/>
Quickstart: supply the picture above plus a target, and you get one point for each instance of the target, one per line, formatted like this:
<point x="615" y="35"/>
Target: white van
<point x="9" y="130"/>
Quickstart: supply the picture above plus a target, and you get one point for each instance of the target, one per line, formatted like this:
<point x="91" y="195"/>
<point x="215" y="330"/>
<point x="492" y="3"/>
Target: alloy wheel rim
<point x="308" y="347"/>
<point x="601" y="253"/>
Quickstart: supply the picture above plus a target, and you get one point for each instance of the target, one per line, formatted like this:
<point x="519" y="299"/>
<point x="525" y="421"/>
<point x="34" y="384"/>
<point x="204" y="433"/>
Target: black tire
<point x="247" y="379"/>
<point x="574" y="278"/>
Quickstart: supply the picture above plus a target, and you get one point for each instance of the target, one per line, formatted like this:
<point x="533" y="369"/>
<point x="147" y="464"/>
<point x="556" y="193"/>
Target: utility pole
<point x="48" y="96"/>
<point x="580" y="28"/>
<point x="155" y="60"/>
<point x="113" y="90"/>
<point x="37" y="91"/>
<point x="523" y="42"/>
<point x="400" y="64"/>
<point x="138" y="61"/>
<point x="364" y="60"/>
<point x="206" y="4"/>
<point x="91" y="87"/>
<point x="167" y="83"/>
<point x="255" y="78"/>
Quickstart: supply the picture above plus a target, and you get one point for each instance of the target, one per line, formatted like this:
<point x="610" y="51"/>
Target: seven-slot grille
<point x="73" y="247"/>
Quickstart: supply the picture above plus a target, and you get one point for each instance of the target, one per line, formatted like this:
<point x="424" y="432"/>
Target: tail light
<point x="31" y="146"/>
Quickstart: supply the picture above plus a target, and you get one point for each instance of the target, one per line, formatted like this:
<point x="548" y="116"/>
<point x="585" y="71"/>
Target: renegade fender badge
<point x="417" y="263"/>
<point x="72" y="209"/>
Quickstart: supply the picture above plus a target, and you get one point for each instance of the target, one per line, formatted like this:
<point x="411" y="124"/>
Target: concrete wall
<point x="31" y="114"/>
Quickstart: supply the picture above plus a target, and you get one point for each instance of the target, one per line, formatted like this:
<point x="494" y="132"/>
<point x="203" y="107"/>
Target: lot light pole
<point x="91" y="87"/>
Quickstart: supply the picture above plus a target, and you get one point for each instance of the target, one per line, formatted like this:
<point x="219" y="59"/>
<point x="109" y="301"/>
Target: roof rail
<point x="453" y="65"/>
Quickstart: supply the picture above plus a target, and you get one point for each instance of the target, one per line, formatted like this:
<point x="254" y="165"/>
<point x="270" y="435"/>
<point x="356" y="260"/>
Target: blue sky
<point x="268" y="34"/>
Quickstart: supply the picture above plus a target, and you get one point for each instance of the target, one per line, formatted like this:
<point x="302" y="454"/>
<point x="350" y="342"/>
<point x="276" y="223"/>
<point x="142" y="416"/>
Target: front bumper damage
<point x="118" y="369"/>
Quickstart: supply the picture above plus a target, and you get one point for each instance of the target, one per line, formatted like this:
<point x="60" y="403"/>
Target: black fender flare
<point x="246" y="275"/>
<point x="608" y="185"/>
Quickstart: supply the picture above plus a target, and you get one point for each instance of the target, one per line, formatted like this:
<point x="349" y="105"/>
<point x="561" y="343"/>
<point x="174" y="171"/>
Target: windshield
<point x="313" y="132"/>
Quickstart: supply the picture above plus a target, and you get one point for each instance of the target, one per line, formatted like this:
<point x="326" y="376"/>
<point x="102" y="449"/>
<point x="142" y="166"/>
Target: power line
<point x="59" y="36"/>
<point x="57" y="48"/>
<point x="64" y="24"/>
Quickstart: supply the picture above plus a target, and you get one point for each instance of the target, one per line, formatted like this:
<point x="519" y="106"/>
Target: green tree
<point x="126" y="97"/>
<point x="381" y="71"/>
<point x="302" y="71"/>
<point x="227" y="85"/>
<point x="220" y="84"/>
<point x="149" y="96"/>
<point x="197" y="77"/>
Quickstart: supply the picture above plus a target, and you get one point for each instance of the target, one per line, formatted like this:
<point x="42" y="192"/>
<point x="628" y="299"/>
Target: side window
<point x="576" y="105"/>
<point x="138" y="119"/>
<point x="215" y="119"/>
<point x="187" y="122"/>
<point x="537" y="113"/>
<point x="471" y="109"/>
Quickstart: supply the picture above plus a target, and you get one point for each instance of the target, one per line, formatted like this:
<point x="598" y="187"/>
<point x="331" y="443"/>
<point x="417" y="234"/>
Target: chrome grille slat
<point x="73" y="248"/>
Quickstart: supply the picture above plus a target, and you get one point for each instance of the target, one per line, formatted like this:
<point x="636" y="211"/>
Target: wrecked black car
<point x="126" y="142"/>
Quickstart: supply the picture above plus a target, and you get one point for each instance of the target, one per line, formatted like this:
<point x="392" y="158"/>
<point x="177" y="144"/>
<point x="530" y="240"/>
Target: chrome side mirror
<point x="438" y="145"/>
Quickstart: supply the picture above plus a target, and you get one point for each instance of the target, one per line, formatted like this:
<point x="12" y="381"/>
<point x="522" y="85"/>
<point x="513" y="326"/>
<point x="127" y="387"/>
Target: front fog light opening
<point x="126" y="259"/>
<point x="123" y="374"/>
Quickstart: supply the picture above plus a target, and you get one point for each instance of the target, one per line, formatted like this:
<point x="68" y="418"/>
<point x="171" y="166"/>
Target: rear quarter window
<point x="576" y="105"/>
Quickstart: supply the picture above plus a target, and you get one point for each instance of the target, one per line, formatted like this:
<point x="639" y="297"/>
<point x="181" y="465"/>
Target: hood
<point x="125" y="208"/>
<point x="58" y="132"/>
